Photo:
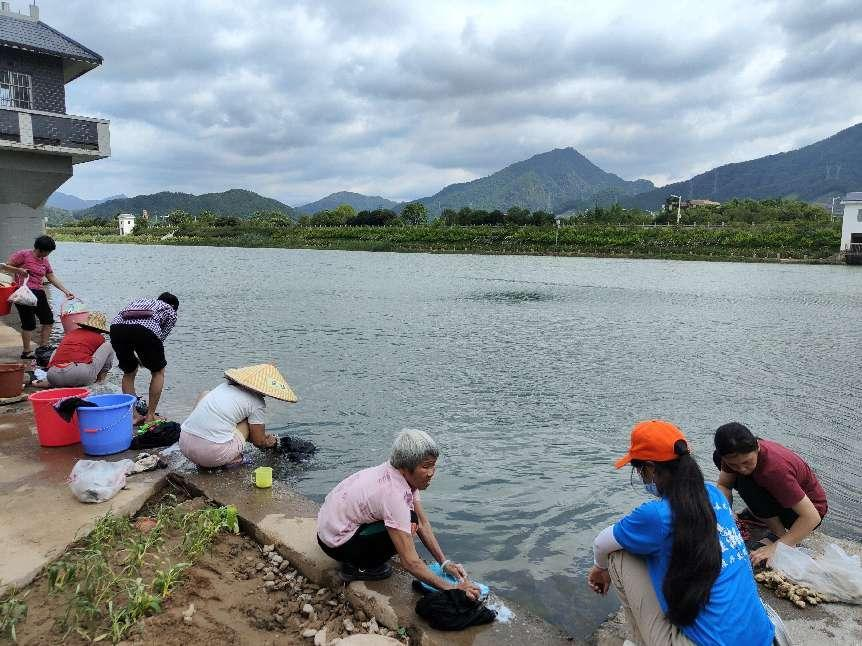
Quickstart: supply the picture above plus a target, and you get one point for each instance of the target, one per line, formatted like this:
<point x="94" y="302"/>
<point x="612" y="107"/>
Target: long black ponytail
<point x="695" y="558"/>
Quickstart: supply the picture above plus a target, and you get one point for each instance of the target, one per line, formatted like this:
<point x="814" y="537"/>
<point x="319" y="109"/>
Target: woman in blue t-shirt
<point x="678" y="562"/>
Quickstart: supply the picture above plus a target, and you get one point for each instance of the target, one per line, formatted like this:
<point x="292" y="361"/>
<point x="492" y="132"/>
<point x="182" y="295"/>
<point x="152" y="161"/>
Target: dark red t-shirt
<point x="787" y="477"/>
<point x="77" y="346"/>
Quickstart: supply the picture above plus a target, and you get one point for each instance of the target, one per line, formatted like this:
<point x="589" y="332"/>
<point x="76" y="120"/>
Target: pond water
<point x="529" y="371"/>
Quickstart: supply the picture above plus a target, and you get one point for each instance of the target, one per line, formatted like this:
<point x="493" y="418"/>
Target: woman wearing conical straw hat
<point x="83" y="357"/>
<point x="231" y="414"/>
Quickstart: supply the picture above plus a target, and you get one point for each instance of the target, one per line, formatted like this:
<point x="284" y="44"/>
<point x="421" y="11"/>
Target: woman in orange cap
<point x="678" y="562"/>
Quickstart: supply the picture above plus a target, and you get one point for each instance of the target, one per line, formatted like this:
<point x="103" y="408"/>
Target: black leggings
<point x="761" y="503"/>
<point x="41" y="310"/>
<point x="369" y="547"/>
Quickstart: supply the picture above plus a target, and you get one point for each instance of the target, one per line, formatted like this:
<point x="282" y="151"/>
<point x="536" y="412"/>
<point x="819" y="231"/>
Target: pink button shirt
<point x="37" y="267"/>
<point x="371" y="495"/>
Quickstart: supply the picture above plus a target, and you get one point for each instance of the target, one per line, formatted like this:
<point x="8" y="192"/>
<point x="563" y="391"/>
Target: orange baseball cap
<point x="652" y="440"/>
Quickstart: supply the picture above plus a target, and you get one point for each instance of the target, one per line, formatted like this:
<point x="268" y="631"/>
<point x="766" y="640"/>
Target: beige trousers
<point x="83" y="374"/>
<point x="648" y="623"/>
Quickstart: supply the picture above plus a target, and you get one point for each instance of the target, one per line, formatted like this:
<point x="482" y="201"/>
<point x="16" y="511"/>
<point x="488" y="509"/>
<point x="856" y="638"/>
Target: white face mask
<point x="651" y="489"/>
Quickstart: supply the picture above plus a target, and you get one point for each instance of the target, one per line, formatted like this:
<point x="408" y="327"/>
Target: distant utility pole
<point x="678" y="207"/>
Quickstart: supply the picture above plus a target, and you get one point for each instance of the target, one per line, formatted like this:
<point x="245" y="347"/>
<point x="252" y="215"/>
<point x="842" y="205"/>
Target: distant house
<point x="126" y="222"/>
<point x="689" y="203"/>
<point x="851" y="227"/>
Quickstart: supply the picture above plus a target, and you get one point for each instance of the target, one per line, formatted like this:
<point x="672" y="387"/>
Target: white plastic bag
<point x="98" y="480"/>
<point x="23" y="296"/>
<point x="836" y="576"/>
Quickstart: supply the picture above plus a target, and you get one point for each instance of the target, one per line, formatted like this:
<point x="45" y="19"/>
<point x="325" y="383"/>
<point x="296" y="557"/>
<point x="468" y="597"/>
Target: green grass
<point x="118" y="574"/>
<point x="13" y="610"/>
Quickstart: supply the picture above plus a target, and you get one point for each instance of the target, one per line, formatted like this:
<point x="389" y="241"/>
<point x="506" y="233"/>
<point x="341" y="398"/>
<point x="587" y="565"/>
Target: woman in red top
<point x="33" y="267"/>
<point x="84" y="356"/>
<point x="777" y="485"/>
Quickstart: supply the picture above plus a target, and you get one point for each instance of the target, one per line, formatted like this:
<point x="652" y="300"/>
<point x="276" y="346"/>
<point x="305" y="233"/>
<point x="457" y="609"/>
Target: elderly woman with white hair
<point x="375" y="513"/>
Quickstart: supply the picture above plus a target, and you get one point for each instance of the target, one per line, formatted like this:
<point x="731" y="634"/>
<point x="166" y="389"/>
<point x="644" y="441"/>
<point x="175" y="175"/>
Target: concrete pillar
<point x="26" y="181"/>
<point x="20" y="225"/>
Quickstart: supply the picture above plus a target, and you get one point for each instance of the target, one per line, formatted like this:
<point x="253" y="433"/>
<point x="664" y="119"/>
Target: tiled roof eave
<point x="95" y="62"/>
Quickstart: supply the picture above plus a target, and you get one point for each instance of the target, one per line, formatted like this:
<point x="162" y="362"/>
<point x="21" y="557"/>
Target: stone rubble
<point x="321" y="615"/>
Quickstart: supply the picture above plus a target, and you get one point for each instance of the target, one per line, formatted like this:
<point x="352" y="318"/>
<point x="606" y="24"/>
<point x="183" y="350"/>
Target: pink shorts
<point x="205" y="453"/>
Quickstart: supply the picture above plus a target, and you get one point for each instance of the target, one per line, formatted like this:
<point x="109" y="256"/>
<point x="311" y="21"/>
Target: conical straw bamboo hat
<point x="96" y="321"/>
<point x="263" y="378"/>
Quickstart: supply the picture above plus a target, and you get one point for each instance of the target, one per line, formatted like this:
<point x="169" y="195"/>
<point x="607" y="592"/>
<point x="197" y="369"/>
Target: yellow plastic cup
<point x="262" y="477"/>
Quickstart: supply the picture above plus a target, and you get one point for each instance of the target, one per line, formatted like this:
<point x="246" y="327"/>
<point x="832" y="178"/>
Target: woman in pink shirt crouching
<point x="375" y="513"/>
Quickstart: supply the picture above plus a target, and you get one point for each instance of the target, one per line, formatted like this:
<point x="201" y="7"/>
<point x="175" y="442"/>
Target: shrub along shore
<point x="813" y="242"/>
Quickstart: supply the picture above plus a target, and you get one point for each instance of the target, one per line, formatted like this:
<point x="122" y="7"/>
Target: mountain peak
<point x="554" y="181"/>
<point x="358" y="201"/>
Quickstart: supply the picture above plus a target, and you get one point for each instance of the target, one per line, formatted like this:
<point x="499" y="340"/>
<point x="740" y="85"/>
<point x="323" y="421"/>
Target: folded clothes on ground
<point x="43" y="355"/>
<point x="146" y="462"/>
<point x="66" y="407"/>
<point x="160" y="432"/>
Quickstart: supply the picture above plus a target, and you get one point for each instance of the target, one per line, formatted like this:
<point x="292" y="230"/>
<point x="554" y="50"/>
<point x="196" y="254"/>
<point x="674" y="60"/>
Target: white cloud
<point x="301" y="98"/>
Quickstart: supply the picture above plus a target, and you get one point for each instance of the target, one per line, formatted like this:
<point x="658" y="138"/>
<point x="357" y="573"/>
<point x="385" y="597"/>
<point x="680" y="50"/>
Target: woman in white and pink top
<point x="375" y="513"/>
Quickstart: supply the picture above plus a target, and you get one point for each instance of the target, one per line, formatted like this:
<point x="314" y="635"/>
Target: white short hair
<point x="411" y="447"/>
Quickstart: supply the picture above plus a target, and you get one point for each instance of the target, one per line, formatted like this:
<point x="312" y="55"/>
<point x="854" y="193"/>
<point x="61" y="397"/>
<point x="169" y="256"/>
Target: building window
<point x="859" y="216"/>
<point x="15" y="90"/>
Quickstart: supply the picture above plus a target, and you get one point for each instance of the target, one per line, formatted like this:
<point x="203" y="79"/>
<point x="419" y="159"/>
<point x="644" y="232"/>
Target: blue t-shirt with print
<point x="734" y="614"/>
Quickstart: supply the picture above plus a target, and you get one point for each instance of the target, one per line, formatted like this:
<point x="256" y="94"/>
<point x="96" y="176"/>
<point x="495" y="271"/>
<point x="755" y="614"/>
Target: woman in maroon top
<point x="777" y="485"/>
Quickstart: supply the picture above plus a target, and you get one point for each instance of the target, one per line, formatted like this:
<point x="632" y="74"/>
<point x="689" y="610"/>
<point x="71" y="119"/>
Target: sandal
<point x="28" y="355"/>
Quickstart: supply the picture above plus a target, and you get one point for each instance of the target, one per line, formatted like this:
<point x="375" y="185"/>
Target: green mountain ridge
<point x="358" y="201"/>
<point x="813" y="173"/>
<point x="236" y="202"/>
<point x="554" y="181"/>
<point x="557" y="181"/>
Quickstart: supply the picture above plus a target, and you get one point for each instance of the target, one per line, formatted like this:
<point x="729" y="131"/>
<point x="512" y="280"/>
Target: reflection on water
<point x="513" y="297"/>
<point x="528" y="371"/>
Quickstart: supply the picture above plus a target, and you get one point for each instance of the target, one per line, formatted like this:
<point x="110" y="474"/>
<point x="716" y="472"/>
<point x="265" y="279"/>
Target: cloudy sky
<point x="298" y="99"/>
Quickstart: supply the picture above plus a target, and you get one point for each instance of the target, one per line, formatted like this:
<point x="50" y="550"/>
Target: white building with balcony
<point x="39" y="142"/>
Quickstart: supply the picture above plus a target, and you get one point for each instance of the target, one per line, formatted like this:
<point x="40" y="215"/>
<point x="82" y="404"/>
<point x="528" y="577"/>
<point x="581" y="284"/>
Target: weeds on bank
<point x="12" y="610"/>
<point x="120" y="574"/>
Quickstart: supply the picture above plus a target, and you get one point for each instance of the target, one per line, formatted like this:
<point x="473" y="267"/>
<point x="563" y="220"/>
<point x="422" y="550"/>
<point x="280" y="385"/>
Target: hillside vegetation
<point x="817" y="172"/>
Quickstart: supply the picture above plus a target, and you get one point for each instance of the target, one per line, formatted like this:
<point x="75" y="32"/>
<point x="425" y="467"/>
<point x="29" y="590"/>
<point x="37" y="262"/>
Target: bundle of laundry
<point x="294" y="449"/>
<point x="66" y="407"/>
<point x="160" y="432"/>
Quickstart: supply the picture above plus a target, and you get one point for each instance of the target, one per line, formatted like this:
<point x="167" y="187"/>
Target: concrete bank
<point x="40" y="516"/>
<point x="281" y="517"/>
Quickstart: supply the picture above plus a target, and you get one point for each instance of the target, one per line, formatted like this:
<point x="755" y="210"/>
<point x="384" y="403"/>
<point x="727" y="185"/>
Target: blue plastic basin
<point x="106" y="427"/>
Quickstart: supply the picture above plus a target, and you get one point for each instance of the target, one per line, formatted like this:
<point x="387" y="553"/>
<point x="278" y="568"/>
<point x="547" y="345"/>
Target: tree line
<point x="738" y="211"/>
